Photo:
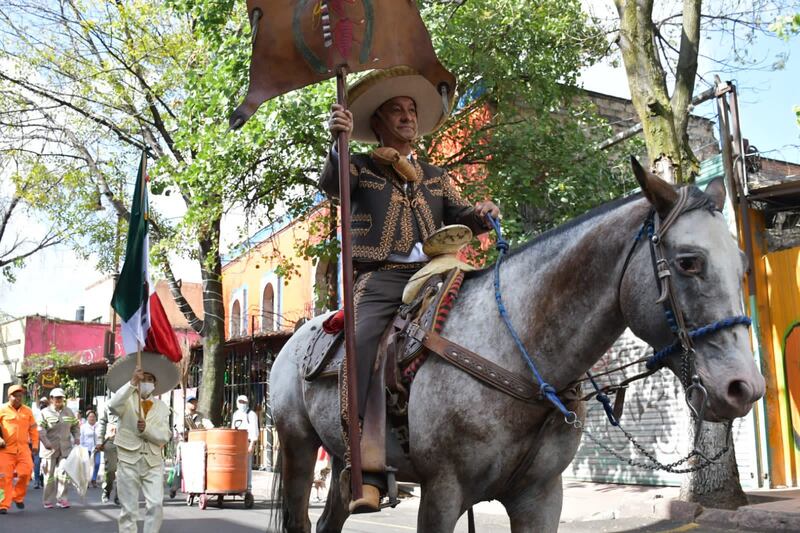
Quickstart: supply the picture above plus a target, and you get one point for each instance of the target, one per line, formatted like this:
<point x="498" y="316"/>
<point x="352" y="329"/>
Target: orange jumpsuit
<point x="18" y="428"/>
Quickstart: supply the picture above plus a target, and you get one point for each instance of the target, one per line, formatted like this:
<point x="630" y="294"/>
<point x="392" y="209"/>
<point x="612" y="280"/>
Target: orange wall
<point x="777" y="276"/>
<point x="245" y="278"/>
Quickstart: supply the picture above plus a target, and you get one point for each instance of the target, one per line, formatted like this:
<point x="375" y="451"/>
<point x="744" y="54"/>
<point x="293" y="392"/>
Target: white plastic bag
<point x="78" y="467"/>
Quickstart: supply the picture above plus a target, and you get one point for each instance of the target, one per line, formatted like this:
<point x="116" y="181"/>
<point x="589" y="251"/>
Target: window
<point x="236" y="320"/>
<point x="268" y="308"/>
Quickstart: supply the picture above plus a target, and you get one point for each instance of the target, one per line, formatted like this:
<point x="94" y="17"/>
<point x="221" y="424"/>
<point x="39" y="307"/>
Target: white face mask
<point x="146" y="389"/>
<point x="242" y="407"/>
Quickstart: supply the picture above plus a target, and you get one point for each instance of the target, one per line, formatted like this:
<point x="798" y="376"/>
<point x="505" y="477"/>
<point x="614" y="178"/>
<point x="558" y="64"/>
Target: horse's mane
<point x="697" y="200"/>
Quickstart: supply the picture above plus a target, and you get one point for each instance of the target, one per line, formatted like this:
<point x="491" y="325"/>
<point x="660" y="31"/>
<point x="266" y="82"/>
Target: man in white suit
<point x="143" y="430"/>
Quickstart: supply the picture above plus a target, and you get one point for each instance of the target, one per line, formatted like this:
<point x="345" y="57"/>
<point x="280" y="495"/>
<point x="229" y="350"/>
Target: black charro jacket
<point x="390" y="215"/>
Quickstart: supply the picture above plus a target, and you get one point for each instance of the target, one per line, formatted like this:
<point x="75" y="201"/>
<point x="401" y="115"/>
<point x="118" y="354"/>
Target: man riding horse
<point x="397" y="202"/>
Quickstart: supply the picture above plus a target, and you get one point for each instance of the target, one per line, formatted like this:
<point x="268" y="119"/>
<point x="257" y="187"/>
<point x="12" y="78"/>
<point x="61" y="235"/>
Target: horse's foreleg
<point x="298" y="475"/>
<point x="536" y="509"/>
<point x="335" y="513"/>
<point x="440" y="506"/>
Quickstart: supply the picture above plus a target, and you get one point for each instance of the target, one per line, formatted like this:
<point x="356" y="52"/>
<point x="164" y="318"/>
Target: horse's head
<point x="705" y="271"/>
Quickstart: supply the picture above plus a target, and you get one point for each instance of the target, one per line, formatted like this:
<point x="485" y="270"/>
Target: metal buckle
<point x="415" y="332"/>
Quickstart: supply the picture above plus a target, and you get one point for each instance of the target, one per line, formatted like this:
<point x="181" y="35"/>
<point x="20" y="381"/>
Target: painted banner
<point x="300" y="42"/>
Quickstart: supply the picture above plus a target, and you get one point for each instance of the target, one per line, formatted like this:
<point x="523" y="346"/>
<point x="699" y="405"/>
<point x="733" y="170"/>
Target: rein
<point x="655" y="229"/>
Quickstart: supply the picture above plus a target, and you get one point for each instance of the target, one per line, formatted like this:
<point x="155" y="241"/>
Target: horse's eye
<point x="690" y="265"/>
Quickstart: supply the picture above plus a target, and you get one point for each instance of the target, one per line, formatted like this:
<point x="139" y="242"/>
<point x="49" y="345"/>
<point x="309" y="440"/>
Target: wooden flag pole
<point x="139" y="365"/>
<point x="351" y="376"/>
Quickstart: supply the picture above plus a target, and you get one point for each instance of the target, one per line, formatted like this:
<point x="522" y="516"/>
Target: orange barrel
<point x="197" y="435"/>
<point x="226" y="460"/>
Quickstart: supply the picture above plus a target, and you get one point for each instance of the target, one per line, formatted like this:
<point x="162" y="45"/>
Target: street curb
<point x="743" y="519"/>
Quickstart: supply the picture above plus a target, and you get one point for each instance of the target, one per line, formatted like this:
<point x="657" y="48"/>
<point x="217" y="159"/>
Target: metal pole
<point x="351" y="376"/>
<point x="741" y="169"/>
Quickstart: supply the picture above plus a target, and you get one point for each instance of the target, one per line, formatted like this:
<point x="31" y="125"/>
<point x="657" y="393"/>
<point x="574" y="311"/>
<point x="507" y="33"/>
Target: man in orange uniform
<point x="18" y="434"/>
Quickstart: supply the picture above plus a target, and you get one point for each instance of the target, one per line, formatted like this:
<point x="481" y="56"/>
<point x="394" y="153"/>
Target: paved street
<point x="93" y="517"/>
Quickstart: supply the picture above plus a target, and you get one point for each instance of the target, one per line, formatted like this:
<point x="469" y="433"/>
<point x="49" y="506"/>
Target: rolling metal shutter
<point x="655" y="413"/>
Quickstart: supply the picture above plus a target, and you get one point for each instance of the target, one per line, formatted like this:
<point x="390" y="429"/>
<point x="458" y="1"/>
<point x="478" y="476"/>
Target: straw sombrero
<point x="163" y="369"/>
<point x="371" y="91"/>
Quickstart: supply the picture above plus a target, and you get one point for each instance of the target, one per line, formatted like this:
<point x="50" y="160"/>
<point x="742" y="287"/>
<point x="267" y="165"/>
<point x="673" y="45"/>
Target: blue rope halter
<point x="546" y="391"/>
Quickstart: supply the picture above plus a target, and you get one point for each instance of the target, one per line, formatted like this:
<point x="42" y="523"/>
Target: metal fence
<point x="248" y="363"/>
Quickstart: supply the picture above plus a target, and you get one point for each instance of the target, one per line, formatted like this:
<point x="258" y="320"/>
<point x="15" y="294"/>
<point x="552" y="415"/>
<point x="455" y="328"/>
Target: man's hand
<point x="45" y="446"/>
<point x="138" y="377"/>
<point x="2" y="443"/>
<point x="250" y="447"/>
<point x="140" y="425"/>
<point x="99" y="448"/>
<point x="487" y="207"/>
<point x="340" y="120"/>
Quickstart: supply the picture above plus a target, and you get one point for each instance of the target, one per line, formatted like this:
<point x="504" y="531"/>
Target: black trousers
<point x="377" y="294"/>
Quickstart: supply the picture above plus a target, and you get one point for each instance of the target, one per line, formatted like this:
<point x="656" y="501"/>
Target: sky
<point x="54" y="282"/>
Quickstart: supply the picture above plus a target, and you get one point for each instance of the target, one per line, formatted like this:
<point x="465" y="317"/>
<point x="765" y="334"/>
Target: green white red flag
<point x="144" y="323"/>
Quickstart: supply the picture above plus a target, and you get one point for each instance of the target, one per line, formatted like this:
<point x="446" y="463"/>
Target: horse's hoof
<point x="370" y="501"/>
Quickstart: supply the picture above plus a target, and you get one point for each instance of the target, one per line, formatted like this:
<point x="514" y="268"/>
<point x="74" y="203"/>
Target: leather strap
<point x="480" y="368"/>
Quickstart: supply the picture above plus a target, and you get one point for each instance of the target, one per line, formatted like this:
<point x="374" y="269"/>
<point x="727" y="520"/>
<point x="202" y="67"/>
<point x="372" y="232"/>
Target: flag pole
<point x="351" y="376"/>
<point x="139" y="365"/>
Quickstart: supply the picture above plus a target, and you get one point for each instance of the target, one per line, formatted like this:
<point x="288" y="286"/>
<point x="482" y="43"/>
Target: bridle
<point x="654" y="228"/>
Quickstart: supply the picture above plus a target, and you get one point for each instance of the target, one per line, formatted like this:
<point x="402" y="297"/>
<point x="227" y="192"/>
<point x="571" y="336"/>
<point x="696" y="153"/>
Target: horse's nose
<point x="741" y="394"/>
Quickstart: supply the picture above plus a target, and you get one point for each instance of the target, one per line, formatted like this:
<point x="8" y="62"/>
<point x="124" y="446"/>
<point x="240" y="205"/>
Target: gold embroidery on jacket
<point x="405" y="242"/>
<point x="370" y="180"/>
<point x="382" y="251"/>
<point x="361" y="224"/>
<point x="451" y="192"/>
<point x="424" y="218"/>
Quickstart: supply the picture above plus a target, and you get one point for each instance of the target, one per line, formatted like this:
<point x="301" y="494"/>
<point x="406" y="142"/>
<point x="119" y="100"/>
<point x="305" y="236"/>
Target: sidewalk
<point x="769" y="510"/>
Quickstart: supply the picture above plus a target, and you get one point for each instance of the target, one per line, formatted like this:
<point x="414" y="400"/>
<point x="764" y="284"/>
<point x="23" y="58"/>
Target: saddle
<point x="433" y="298"/>
<point x="410" y="338"/>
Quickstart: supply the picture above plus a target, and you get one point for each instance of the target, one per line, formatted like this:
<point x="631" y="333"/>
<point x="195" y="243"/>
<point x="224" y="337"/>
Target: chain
<point x="655" y="464"/>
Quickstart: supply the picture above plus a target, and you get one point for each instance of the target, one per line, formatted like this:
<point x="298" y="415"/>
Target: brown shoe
<point x="370" y="501"/>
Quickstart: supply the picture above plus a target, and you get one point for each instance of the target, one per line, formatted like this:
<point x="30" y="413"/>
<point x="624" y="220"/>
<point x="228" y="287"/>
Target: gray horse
<point x="570" y="294"/>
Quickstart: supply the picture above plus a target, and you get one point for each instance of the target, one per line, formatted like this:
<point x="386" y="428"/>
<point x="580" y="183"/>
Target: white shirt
<point x="88" y="436"/>
<point x="248" y="421"/>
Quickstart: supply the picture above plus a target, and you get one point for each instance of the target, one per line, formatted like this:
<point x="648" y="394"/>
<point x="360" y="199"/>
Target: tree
<point x="655" y="52"/>
<point x="15" y="247"/>
<point x="93" y="85"/>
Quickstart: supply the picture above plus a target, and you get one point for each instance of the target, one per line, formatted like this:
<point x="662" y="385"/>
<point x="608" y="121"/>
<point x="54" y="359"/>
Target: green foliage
<point x="520" y="59"/>
<point x="54" y="363"/>
<point x="786" y="26"/>
<point x="165" y="77"/>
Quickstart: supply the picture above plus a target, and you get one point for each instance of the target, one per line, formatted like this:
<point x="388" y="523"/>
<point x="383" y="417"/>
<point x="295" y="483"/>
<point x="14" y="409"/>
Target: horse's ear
<point x="716" y="190"/>
<point x="658" y="192"/>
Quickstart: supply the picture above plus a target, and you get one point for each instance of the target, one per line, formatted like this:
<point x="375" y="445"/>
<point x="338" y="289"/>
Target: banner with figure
<point x="300" y="42"/>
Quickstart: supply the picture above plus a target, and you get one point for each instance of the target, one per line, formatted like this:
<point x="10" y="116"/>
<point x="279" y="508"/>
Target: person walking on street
<point x="106" y="431"/>
<point x="18" y="436"/>
<point x="58" y="432"/>
<point x="142" y="433"/>
<point x="37" y="460"/>
<point x="89" y="441"/>
<point x="244" y="418"/>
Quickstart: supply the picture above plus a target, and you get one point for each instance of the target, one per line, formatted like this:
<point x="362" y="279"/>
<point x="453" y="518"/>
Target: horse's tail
<point x="275" y="523"/>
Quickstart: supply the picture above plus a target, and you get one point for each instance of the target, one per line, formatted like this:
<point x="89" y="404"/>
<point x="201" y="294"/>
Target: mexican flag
<point x="144" y="322"/>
